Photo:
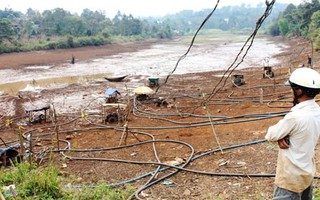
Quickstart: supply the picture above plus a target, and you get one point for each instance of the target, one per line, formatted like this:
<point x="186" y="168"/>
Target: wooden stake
<point x="124" y="133"/>
<point x="2" y="197"/>
<point x="212" y="126"/>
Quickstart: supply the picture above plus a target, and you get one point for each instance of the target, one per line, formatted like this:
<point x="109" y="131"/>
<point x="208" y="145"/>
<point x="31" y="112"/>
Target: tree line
<point x="299" y="21"/>
<point x="58" y="28"/>
<point x="238" y="19"/>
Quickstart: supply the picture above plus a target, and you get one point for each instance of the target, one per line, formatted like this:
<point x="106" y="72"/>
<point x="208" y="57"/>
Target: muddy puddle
<point x="42" y="83"/>
<point x="158" y="61"/>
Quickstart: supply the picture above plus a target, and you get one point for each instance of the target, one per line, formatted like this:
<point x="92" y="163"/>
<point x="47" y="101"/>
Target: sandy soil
<point x="176" y="116"/>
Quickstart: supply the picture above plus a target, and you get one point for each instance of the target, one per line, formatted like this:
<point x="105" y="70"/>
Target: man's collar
<point x="303" y="103"/>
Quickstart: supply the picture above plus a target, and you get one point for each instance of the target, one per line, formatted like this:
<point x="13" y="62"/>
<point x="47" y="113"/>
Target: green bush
<point x="38" y="183"/>
<point x="33" y="182"/>
<point x="317" y="43"/>
<point x="5" y="49"/>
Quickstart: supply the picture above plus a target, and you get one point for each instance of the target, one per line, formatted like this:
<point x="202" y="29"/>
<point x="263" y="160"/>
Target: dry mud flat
<point x="238" y="116"/>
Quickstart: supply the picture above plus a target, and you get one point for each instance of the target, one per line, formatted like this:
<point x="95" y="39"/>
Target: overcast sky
<point x="135" y="7"/>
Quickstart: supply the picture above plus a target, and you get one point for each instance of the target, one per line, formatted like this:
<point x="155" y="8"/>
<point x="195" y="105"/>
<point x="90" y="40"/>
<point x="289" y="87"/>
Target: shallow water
<point x="158" y="61"/>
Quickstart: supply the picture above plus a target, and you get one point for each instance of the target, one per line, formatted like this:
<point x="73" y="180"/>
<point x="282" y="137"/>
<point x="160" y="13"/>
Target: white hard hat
<point x="305" y="77"/>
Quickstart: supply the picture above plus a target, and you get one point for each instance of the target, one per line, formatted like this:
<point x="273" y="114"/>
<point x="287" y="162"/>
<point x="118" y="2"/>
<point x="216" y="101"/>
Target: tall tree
<point x="6" y="30"/>
<point x="33" y="20"/>
<point x="73" y="25"/>
<point x="284" y="26"/>
<point x="53" y="21"/>
<point x="305" y="11"/>
<point x="315" y="22"/>
<point x="95" y="21"/>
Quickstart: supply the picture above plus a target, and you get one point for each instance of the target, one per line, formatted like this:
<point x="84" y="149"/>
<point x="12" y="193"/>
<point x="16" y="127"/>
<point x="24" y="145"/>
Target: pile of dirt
<point x="225" y="148"/>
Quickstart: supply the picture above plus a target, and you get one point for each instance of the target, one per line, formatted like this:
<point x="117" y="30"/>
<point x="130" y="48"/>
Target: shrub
<point x="33" y="182"/>
<point x="38" y="183"/>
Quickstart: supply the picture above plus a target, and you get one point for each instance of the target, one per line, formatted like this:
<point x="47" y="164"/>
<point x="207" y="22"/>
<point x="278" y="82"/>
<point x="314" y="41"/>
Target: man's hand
<point x="284" y="143"/>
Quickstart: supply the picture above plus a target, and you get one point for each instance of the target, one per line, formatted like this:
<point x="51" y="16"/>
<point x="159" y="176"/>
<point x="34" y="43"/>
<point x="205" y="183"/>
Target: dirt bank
<point x="52" y="57"/>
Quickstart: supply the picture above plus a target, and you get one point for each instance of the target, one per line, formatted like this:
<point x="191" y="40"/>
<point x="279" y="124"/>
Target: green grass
<point x="316" y="193"/>
<point x="102" y="192"/>
<point x="47" y="183"/>
<point x="38" y="183"/>
<point x="216" y="38"/>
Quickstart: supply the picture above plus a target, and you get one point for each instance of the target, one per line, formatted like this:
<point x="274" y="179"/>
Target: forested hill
<point x="58" y="28"/>
<point x="227" y="18"/>
<point x="299" y="21"/>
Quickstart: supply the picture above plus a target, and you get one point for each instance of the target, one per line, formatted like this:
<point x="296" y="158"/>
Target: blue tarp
<point x="111" y="91"/>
